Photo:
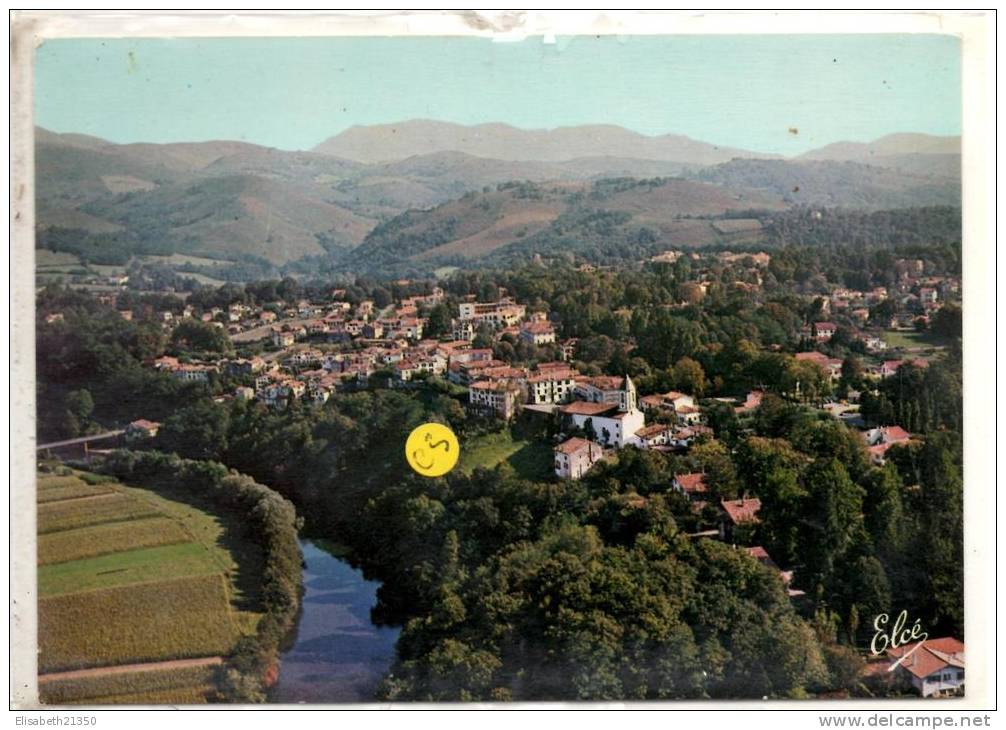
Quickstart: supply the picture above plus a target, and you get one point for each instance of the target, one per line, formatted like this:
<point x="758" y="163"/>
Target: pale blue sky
<point x="739" y="91"/>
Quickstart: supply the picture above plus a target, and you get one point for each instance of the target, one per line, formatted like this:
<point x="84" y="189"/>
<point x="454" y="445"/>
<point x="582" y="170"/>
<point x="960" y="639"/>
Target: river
<point x="338" y="654"/>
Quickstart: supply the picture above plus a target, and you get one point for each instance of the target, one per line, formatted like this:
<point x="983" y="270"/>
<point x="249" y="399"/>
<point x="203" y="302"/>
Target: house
<point x="569" y="348"/>
<point x="497" y="398"/>
<point x="879" y="440"/>
<point x="751" y="401"/>
<point x="411" y="327"/>
<point x="831" y="365"/>
<point x="824" y="331"/>
<point x="874" y="344"/>
<point x="935" y="667"/>
<point x="575" y="456"/>
<point x="890" y="367"/>
<point x="194" y="373"/>
<point x="141" y="429"/>
<point x="537" y="333"/>
<point x="761" y="555"/>
<point x="692" y="485"/>
<point x="282" y="339"/>
<point x="242" y="366"/>
<point x="689" y="415"/>
<point x="737" y="512"/>
<point x="552" y="385"/>
<point x="672" y="399"/>
<point x="656" y="434"/>
<point x="244" y="393"/>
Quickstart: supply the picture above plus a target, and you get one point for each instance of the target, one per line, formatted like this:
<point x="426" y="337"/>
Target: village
<point x="307" y="349"/>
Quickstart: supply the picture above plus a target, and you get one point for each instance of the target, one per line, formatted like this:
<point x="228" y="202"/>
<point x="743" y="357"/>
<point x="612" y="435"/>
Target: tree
<point x="947" y="322"/>
<point x="721" y="476"/>
<point x="689" y="376"/>
<point x="80" y="404"/>
<point x="191" y="334"/>
<point x="438" y="321"/>
<point x="853" y="372"/>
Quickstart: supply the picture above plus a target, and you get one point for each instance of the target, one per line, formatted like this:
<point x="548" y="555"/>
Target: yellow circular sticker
<point x="432" y="449"/>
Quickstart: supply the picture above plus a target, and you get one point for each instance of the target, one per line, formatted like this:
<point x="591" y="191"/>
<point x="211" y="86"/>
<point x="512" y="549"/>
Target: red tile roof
<point x="694" y="483"/>
<point x="584" y="408"/>
<point x="145" y="424"/>
<point x="742" y="510"/>
<point x="654" y="429"/>
<point x="761" y="555"/>
<point x="606" y="382"/>
<point x="573" y="445"/>
<point x="932" y="656"/>
<point x="895" y="433"/>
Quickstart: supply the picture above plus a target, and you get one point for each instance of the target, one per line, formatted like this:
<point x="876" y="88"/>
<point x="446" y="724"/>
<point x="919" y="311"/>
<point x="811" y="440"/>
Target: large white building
<point x="504" y="313"/>
<point x="553" y="385"/>
<point x="606" y="410"/>
<point x="494" y="397"/>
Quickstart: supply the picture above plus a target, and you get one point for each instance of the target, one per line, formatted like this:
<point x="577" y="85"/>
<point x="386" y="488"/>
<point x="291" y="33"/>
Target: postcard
<point x="367" y="362"/>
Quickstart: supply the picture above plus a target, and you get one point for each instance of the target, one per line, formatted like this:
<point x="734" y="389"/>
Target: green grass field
<point x="127" y="576"/>
<point x="164" y="562"/>
<point x="530" y="459"/>
<point x="913" y="340"/>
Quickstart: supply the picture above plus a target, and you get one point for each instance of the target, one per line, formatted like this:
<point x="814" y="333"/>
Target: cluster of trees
<point x="921" y="400"/>
<point x="271" y="522"/>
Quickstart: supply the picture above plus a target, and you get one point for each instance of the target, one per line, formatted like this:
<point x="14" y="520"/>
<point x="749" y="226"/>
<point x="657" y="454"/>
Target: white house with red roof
<point x="575" y="456"/>
<point x="935" y="667"/>
<point x="537" y="333"/>
<point x="879" y="440"/>
<point x="824" y="331"/>
<point x="142" y="428"/>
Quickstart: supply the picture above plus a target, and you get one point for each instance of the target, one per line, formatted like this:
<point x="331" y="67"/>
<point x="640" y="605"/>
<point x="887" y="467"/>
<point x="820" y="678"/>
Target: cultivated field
<point x="140" y="594"/>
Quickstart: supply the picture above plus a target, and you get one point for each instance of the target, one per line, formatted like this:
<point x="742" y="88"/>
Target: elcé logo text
<point x="891" y="636"/>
